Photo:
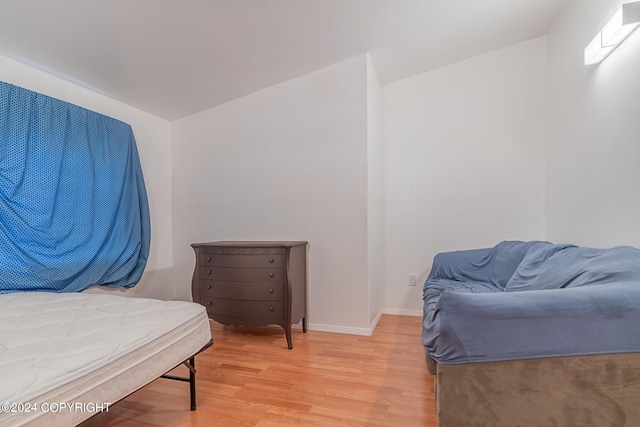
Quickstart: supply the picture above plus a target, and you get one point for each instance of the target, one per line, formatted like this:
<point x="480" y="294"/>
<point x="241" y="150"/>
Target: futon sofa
<point x="534" y="334"/>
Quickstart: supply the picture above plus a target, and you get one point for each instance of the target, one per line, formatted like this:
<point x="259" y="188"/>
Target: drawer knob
<point x="271" y="260"/>
<point x="208" y="286"/>
<point x="270" y="290"/>
<point x="208" y="258"/>
<point x="209" y="272"/>
<point x="209" y="303"/>
<point x="271" y="274"/>
<point x="271" y="308"/>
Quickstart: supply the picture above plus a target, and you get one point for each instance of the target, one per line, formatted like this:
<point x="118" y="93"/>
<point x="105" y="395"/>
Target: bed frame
<point x="191" y="379"/>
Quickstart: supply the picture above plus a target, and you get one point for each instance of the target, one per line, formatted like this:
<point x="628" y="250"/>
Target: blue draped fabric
<point x="523" y="300"/>
<point x="73" y="205"/>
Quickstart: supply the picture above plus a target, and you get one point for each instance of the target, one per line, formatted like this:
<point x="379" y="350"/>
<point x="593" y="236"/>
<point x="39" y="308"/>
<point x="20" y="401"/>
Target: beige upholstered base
<point x="598" y="391"/>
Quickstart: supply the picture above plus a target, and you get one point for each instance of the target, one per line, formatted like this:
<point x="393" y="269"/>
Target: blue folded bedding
<point x="523" y="300"/>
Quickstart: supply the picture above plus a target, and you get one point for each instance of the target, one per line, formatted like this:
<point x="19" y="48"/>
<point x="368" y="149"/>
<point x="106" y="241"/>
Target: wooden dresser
<point x="252" y="283"/>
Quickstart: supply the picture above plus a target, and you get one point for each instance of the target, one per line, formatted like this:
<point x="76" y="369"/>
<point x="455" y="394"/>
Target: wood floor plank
<point x="250" y="379"/>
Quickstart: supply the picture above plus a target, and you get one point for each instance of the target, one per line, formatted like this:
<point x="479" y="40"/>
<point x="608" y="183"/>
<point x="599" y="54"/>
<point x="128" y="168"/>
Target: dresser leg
<point x="304" y="325"/>
<point x="287" y="332"/>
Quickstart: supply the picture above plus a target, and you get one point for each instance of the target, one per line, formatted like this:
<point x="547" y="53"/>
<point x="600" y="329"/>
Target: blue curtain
<point x="73" y="205"/>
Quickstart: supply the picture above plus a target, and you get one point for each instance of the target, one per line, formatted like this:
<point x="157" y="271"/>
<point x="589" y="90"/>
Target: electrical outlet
<point x="412" y="280"/>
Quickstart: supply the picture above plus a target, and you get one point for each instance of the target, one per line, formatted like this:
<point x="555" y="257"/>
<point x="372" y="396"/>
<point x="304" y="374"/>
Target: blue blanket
<point x="73" y="205"/>
<point x="523" y="300"/>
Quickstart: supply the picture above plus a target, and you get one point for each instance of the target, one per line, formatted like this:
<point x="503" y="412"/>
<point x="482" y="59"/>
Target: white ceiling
<point x="173" y="58"/>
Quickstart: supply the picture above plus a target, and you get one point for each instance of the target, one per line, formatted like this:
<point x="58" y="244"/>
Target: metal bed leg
<point x="192" y="383"/>
<point x="191" y="364"/>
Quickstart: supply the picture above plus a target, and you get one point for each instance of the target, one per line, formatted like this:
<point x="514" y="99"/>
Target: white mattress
<point x="88" y="349"/>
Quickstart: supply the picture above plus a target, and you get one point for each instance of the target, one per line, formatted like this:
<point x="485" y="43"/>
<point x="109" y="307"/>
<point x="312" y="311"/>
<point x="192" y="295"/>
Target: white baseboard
<point x="339" y="329"/>
<point x="346" y="329"/>
<point x="375" y="321"/>
<point x="361" y="331"/>
<point x="402" y="312"/>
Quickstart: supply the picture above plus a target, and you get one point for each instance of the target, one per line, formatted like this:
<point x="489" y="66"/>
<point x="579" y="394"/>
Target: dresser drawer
<point x="238" y="308"/>
<point x="242" y="290"/>
<point x="271" y="275"/>
<point x="242" y="261"/>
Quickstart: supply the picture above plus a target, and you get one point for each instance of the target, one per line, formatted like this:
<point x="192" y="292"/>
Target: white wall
<point x="374" y="192"/>
<point x="154" y="141"/>
<point x="463" y="162"/>
<point x="460" y="161"/>
<point x="286" y="163"/>
<point x="593" y="151"/>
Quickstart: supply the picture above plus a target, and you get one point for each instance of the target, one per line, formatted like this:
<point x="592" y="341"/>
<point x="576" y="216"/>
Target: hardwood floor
<point x="250" y="378"/>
